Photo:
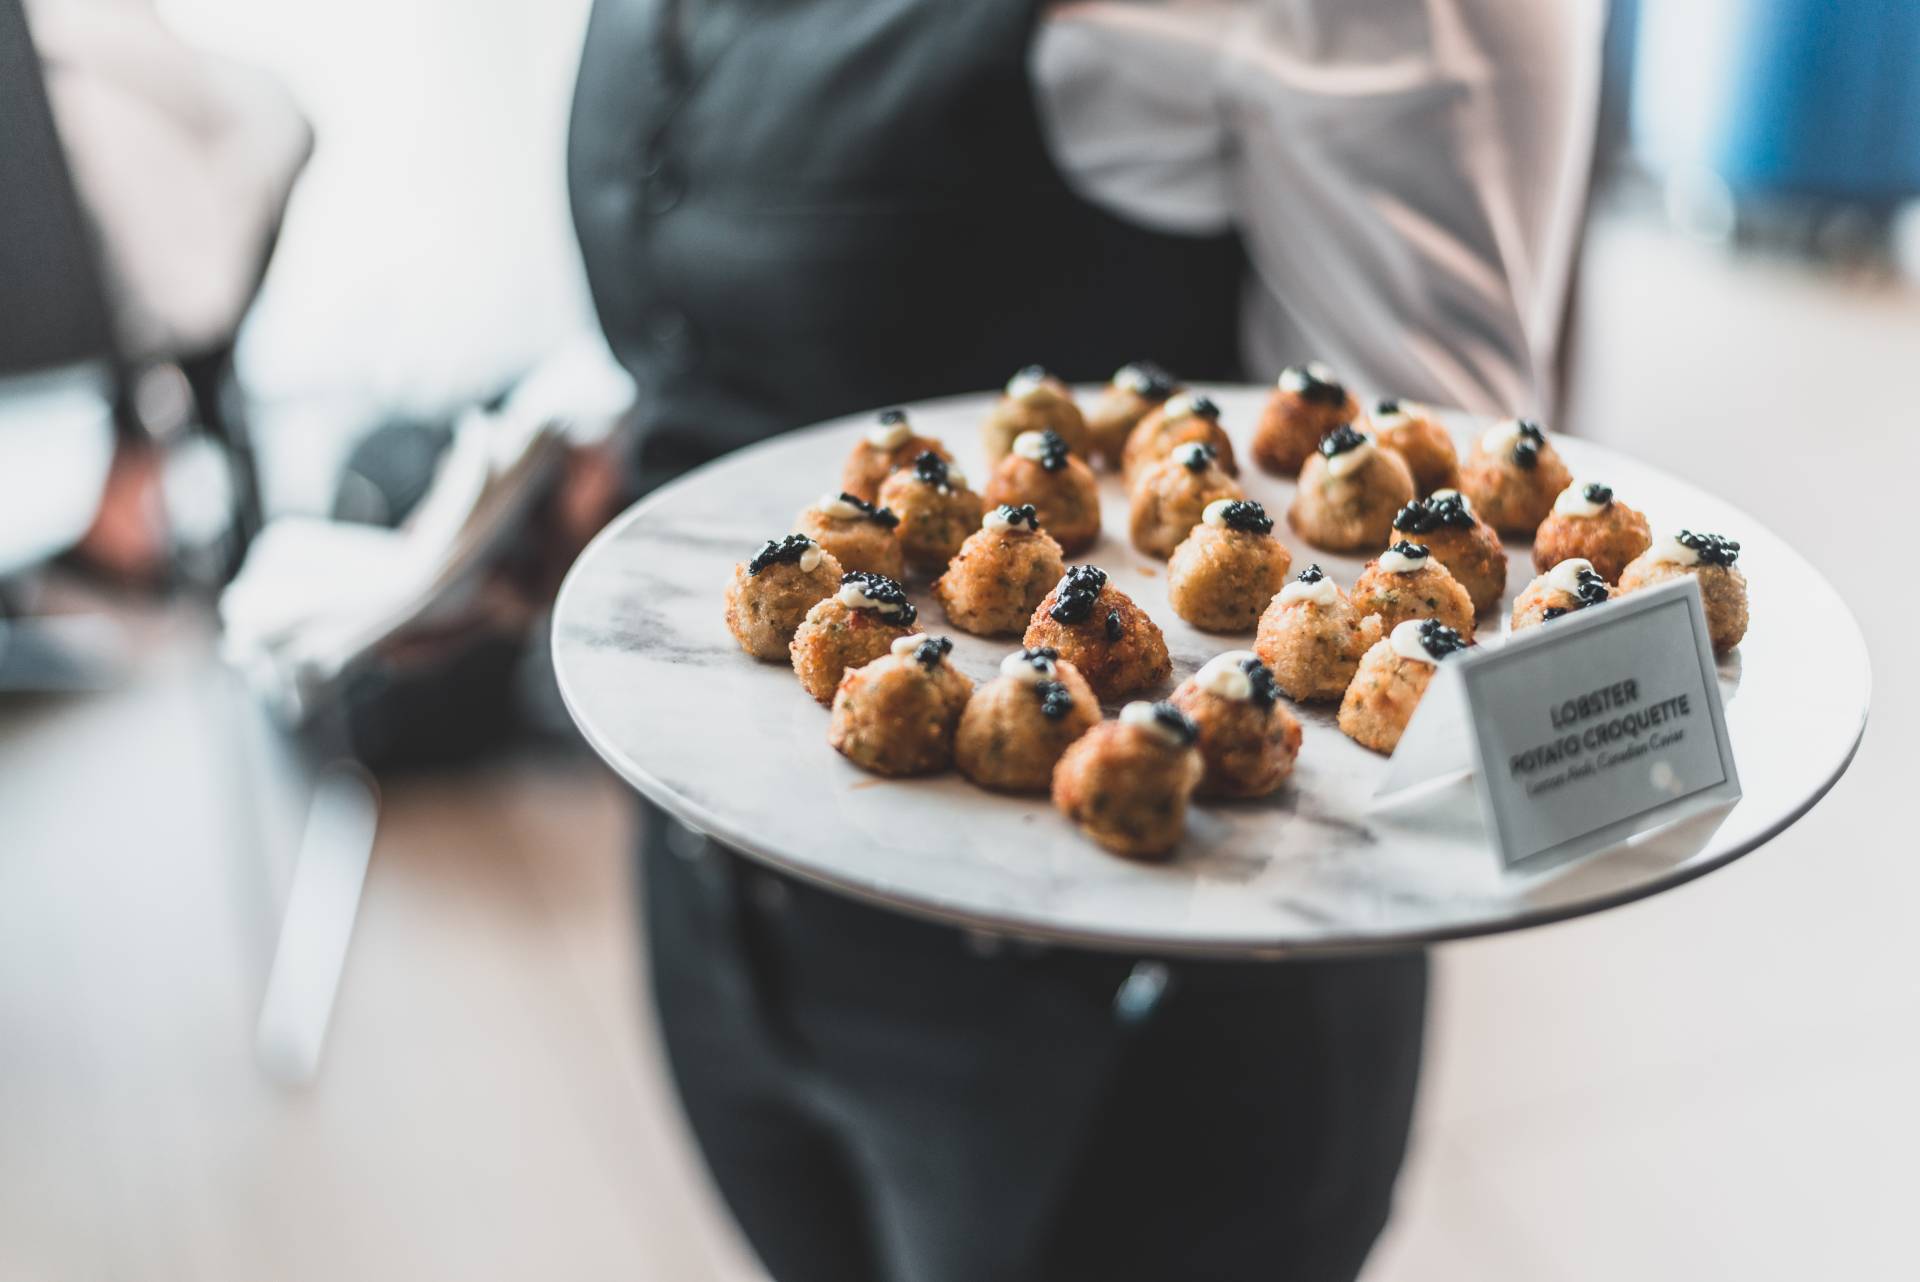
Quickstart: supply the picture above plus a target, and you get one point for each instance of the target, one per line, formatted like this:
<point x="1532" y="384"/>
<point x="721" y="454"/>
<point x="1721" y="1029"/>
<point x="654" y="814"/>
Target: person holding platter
<point x="795" y="211"/>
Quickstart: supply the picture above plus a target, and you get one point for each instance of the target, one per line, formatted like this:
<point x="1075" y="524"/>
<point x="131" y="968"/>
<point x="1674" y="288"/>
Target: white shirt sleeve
<point x="1407" y="175"/>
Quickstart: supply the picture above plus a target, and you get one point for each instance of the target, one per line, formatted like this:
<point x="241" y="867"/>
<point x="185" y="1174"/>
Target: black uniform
<point x="792" y="209"/>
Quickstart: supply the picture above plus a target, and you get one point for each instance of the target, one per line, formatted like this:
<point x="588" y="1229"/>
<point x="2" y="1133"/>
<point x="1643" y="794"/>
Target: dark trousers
<point x="885" y="1100"/>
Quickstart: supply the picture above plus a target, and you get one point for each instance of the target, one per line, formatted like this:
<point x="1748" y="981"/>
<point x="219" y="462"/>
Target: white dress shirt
<point x="1408" y="176"/>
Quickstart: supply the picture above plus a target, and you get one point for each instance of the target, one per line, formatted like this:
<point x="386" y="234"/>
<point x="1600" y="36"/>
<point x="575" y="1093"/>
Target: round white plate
<point x="735" y="749"/>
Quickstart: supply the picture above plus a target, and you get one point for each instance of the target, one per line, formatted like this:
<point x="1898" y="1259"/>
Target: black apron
<point x="795" y="209"/>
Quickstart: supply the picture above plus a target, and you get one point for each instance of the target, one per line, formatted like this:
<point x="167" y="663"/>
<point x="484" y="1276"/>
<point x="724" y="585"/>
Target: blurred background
<point x="1716" y="1083"/>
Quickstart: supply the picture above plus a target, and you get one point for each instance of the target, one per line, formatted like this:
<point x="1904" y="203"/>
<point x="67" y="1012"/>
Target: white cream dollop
<point x="1407" y="412"/>
<point x="903" y="647"/>
<point x="810" y="558"/>
<point x="1394" y="561"/>
<point x="1223" y="675"/>
<point x="1405" y="640"/>
<point x="1670" y="550"/>
<point x="1452" y="494"/>
<point x="1032" y="670"/>
<point x="889" y="436"/>
<point x="1139" y="714"/>
<point x="837" y="507"/>
<point x="1573" y="501"/>
<point x="1131" y="378"/>
<point x="1031" y="445"/>
<point x="1502" y="434"/>
<point x="1347" y="462"/>
<point x="1322" y="591"/>
<point x="1023" y="385"/>
<point x="1194" y="454"/>
<point x="1565" y="577"/>
<point x="1177" y="407"/>
<point x="1294" y="378"/>
<point x="1215" y="513"/>
<point x="854" y="596"/>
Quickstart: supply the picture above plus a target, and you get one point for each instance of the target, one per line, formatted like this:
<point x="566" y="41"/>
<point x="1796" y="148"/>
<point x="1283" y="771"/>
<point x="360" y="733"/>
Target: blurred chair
<point x="59" y="370"/>
<point x="69" y="395"/>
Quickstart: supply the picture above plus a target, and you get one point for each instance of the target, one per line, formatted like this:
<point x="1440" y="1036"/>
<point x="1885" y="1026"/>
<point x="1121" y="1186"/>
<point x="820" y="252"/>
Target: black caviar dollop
<point x="1144" y="378"/>
<point x="1266" y="690"/>
<point x="1203" y="407"/>
<point x="930" y="651"/>
<point x="1713" y="549"/>
<point x="1026" y="514"/>
<point x="1319" y="390"/>
<point x="1247" y="516"/>
<point x="1312" y="574"/>
<point x="1598" y="493"/>
<point x="889" y="417"/>
<point x="1170" y="716"/>
<point x="930" y="469"/>
<point x="1197" y="456"/>
<point x="884" y="591"/>
<point x="780" y="552"/>
<point x="1439" y="640"/>
<point x="1526" y="450"/>
<point x="1076" y="593"/>
<point x="1341" y="439"/>
<point x="1386" y="405"/>
<point x="1039" y="656"/>
<point x="1116" y="628"/>
<point x="1056" y="701"/>
<point x="1417" y="551"/>
<point x="1423" y="516"/>
<point x="1053" y="450"/>
<point x="1589" y="589"/>
<point x="878" y="515"/>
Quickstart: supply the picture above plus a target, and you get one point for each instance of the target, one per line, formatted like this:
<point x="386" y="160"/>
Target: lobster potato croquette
<point x="1223" y="573"/>
<point x="1348" y="494"/>
<point x="1017" y="725"/>
<point x="1513" y="474"/>
<point x="860" y="535"/>
<point x="1444" y="522"/>
<point x="1393" y="675"/>
<point x="1170" y="497"/>
<point x="1100" y="631"/>
<point x="1184" y="419"/>
<point x="1247" y="738"/>
<point x="1034" y="401"/>
<point x="1135" y="391"/>
<point x="1589" y="523"/>
<point x="1126" y="783"/>
<point x="1412" y="432"/>
<point x="1306" y="404"/>
<point x="850" y="629"/>
<point x="1000" y="574"/>
<point x="1709" y="559"/>
<point x="1042" y="472"/>
<point x="1408" y="582"/>
<point x="1571" y="585"/>
<point x="889" y="445"/>
<point x="1312" y="636"/>
<point x="936" y="509"/>
<point x="897" y="714"/>
<point x="769" y="595"/>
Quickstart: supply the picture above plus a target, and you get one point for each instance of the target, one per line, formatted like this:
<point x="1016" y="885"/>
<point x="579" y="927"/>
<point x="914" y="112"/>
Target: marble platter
<point x="737" y="750"/>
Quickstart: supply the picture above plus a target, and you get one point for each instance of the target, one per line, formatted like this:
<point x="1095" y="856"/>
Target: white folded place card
<point x="1581" y="732"/>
